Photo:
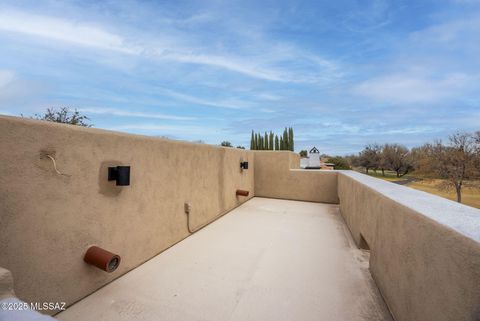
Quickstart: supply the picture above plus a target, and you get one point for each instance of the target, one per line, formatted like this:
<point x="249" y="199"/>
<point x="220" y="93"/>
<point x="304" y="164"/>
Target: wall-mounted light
<point x="102" y="259"/>
<point x="120" y="174"/>
<point x="241" y="192"/>
<point x="244" y="165"/>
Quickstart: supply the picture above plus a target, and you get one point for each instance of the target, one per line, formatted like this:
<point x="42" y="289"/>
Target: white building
<point x="313" y="159"/>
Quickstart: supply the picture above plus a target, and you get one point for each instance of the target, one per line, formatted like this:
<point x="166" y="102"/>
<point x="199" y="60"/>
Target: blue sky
<point x="342" y="73"/>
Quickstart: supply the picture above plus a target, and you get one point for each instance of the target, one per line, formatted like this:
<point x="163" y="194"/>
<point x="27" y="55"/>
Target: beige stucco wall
<point x="48" y="220"/>
<point x="425" y="250"/>
<point x="277" y="175"/>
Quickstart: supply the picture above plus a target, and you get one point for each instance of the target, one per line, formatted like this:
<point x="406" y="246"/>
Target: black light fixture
<point x="244" y="165"/>
<point x="120" y="174"/>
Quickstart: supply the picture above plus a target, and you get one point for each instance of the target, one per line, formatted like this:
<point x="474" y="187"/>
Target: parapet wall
<point x="48" y="220"/>
<point x="424" y="250"/>
<point x="277" y="175"/>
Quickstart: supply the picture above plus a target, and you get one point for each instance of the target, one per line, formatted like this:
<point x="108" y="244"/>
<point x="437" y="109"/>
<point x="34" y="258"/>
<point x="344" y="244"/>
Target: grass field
<point x="470" y="196"/>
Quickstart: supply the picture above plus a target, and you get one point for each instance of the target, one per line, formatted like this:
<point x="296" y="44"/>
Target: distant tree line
<point x="271" y="141"/>
<point x="457" y="161"/>
<point x="226" y="143"/>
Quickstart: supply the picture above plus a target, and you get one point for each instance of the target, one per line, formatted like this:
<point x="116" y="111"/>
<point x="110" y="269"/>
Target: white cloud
<point x="230" y="103"/>
<point x="62" y="30"/>
<point x="6" y="77"/>
<point x="171" y="129"/>
<point x="243" y="67"/>
<point x="447" y="32"/>
<point x="125" y="113"/>
<point x="269" y="96"/>
<point x="264" y="60"/>
<point x="412" y="88"/>
<point x="15" y="89"/>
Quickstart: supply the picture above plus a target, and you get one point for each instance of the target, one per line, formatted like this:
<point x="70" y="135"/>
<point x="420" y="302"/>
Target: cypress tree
<point x="270" y="141"/>
<point x="277" y="143"/>
<point x="255" y="143"/>
<point x="292" y="144"/>
<point x="285" y="139"/>
<point x="252" y="146"/>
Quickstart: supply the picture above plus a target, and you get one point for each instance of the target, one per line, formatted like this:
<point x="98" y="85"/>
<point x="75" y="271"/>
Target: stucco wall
<point x="425" y="250"/>
<point x="277" y="175"/>
<point x="48" y="220"/>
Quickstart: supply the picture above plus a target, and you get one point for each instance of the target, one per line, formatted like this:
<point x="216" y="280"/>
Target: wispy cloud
<point x="125" y="113"/>
<point x="62" y="30"/>
<point x="412" y="88"/>
<point x="232" y="64"/>
<point x="14" y="89"/>
<point x="214" y="70"/>
<point x="184" y="131"/>
<point x="96" y="36"/>
<point x="6" y="77"/>
<point x="227" y="103"/>
<point x="450" y="31"/>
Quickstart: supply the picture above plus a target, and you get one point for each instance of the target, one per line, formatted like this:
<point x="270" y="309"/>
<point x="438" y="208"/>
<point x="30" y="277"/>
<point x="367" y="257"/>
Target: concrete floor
<point x="266" y="260"/>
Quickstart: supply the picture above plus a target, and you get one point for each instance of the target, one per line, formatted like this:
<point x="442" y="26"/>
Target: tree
<point x="290" y="137"/>
<point x="252" y="141"/>
<point x="303" y="153"/>
<point x="226" y="143"/>
<point x="271" y="141"/>
<point x="382" y="161"/>
<point x="369" y="157"/>
<point x="339" y="162"/>
<point x="455" y="162"/>
<point x="353" y="160"/>
<point x="476" y="140"/>
<point x="422" y="160"/>
<point x="286" y="145"/>
<point x="397" y="158"/>
<point x="65" y="116"/>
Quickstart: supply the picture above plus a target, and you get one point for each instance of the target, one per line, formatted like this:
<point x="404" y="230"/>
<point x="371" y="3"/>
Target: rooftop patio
<point x="265" y="260"/>
<point x="280" y="243"/>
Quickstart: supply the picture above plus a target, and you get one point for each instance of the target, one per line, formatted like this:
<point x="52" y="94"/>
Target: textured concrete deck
<point x="266" y="260"/>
